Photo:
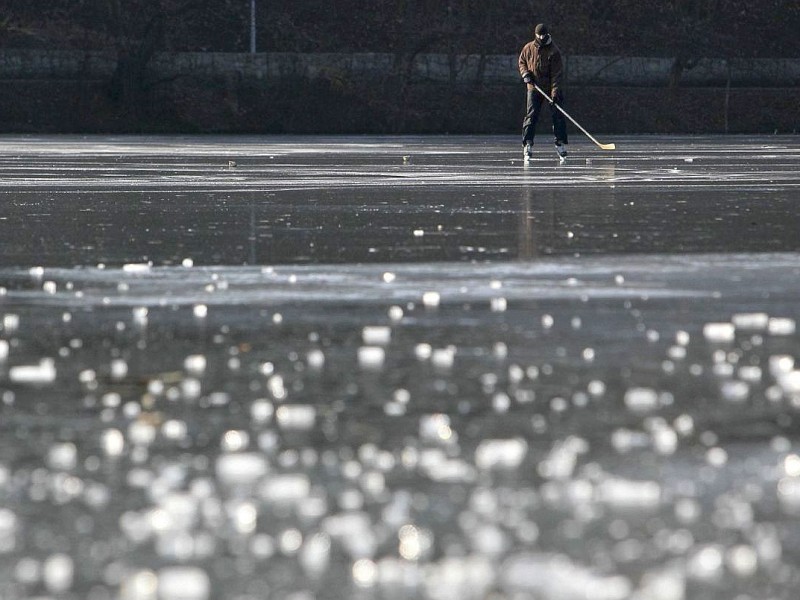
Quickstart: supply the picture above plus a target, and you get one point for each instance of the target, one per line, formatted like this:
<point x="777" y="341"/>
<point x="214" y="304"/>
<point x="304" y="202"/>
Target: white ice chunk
<point x="376" y="335"/>
<point x="556" y="577"/>
<point x="750" y="373"/>
<point x="423" y="351"/>
<point x="626" y="493"/>
<point x="780" y="363"/>
<point x="706" y="563"/>
<point x="315" y="555"/>
<point x="562" y="459"/>
<point x="243" y="468"/>
<point x="285" y="489"/>
<point x="498" y="304"/>
<point x="10" y="322"/>
<point x="113" y="442"/>
<point x="9" y="528"/>
<point x="431" y="299"/>
<point x="719" y="333"/>
<point x="436" y="428"/>
<point x="371" y="357"/>
<point x="195" y="364"/>
<point x="735" y="391"/>
<point x="261" y="411"/>
<point x="296" y="417"/>
<point x="641" y="399"/>
<point x="58" y="573"/>
<point x="44" y="372"/>
<point x="62" y="457"/>
<point x="666" y="584"/>
<point x="183" y="583"/>
<point x="781" y="326"/>
<point x="443" y="358"/>
<point x="750" y="321"/>
<point x="315" y="359"/>
<point x="789" y="381"/>
<point x="395" y="313"/>
<point x="459" y="578"/>
<point x="742" y="560"/>
<point x="500" y="453"/>
<point x="136" y="268"/>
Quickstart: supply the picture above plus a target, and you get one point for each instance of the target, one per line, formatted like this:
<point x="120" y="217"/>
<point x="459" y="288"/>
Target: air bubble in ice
<point x="200" y="311"/>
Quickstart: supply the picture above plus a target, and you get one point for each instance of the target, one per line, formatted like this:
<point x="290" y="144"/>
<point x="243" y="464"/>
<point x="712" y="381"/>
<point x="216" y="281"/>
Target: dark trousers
<point x="534" y="108"/>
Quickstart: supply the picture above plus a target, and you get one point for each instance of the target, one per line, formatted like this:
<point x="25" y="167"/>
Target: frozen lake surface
<point x="366" y="367"/>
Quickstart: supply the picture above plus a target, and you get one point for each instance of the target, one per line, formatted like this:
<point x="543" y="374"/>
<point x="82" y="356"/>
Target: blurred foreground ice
<point x="614" y="432"/>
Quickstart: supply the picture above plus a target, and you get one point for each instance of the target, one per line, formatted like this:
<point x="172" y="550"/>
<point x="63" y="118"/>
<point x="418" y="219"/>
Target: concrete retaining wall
<point x="435" y="68"/>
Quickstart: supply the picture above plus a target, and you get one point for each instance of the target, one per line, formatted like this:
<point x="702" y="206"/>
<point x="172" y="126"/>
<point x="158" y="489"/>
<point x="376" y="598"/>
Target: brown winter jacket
<point x="544" y="63"/>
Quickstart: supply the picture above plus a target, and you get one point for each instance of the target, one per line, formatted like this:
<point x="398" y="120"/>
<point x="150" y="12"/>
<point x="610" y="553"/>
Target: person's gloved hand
<point x="527" y="78"/>
<point x="556" y="97"/>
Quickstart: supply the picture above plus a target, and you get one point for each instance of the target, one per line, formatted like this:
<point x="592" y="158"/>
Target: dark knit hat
<point x="541" y="29"/>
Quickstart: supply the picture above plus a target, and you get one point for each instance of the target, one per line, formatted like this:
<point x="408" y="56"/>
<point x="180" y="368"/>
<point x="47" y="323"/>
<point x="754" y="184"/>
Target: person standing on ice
<point x="540" y="63"/>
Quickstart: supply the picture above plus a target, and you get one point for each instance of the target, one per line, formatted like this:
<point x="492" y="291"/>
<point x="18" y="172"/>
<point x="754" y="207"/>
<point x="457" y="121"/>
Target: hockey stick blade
<point x="578" y="125"/>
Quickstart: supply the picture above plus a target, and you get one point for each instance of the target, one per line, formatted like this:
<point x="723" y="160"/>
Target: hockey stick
<point x="589" y="135"/>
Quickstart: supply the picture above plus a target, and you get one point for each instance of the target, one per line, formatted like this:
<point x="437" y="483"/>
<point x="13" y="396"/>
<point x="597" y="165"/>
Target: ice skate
<point x="562" y="153"/>
<point x="527" y="152"/>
